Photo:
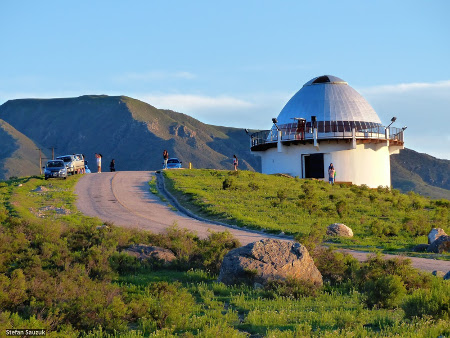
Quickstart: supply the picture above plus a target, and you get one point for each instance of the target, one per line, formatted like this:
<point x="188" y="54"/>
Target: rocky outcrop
<point x="267" y="260"/>
<point x="440" y="245"/>
<point x="151" y="253"/>
<point x="434" y="234"/>
<point x="340" y="230"/>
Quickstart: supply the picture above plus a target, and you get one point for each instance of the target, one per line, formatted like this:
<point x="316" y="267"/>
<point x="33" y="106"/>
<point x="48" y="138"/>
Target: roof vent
<point x="322" y="79"/>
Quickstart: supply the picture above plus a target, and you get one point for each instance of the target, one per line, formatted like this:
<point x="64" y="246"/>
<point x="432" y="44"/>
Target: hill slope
<point x="421" y="173"/>
<point x="132" y="132"/>
<point x="18" y="154"/>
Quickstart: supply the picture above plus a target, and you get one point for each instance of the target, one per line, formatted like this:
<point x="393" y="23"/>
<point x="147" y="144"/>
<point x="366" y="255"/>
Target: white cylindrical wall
<point x="367" y="164"/>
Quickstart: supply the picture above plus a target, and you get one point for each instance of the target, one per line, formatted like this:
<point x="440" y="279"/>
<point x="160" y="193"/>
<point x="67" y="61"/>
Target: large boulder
<point x="267" y="260"/>
<point x="440" y="245"/>
<point x="434" y="234"/>
<point x="339" y="229"/>
<point x="151" y="253"/>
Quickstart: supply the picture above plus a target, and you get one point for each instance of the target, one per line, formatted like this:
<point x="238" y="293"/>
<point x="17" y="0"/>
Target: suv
<point x="55" y="168"/>
<point x="73" y="163"/>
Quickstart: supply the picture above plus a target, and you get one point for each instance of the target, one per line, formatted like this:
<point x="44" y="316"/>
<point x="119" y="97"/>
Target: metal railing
<point x="327" y="130"/>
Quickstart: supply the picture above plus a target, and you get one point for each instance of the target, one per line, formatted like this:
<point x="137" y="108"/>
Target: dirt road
<point x="124" y="199"/>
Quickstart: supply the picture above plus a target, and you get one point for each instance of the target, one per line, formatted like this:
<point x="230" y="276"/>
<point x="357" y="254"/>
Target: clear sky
<point x="235" y="63"/>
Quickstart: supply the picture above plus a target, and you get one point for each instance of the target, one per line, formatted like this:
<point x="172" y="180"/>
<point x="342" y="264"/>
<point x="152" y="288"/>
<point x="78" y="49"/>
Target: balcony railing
<point x="327" y="130"/>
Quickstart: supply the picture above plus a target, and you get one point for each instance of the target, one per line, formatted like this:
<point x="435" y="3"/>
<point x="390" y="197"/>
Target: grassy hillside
<point x="18" y="154"/>
<point x="380" y="219"/>
<point x="130" y="131"/>
<point x="65" y="272"/>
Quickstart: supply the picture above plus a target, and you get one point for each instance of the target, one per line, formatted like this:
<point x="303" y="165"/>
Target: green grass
<point x="38" y="253"/>
<point x="380" y="219"/>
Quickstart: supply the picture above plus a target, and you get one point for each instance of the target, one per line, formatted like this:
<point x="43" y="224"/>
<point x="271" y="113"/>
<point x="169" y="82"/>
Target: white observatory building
<point x="327" y="121"/>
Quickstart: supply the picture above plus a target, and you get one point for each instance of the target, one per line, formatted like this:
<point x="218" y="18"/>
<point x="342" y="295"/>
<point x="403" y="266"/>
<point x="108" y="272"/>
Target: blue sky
<point x="235" y="63"/>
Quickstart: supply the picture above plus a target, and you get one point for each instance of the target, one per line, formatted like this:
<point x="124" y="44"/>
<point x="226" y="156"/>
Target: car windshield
<point x="173" y="160"/>
<point x="65" y="158"/>
<point x="55" y="164"/>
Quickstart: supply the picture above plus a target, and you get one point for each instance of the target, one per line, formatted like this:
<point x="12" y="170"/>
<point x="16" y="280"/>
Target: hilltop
<point x="135" y="133"/>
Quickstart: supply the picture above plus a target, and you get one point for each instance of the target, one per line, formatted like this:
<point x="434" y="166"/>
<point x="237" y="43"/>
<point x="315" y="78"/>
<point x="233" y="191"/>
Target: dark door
<point x="314" y="166"/>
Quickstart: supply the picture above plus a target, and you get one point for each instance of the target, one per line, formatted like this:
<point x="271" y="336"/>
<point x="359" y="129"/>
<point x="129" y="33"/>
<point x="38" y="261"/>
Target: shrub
<point x="313" y="238"/>
<point x="124" y="263"/>
<point x="434" y="302"/>
<point x="384" y="292"/>
<point x="215" y="247"/>
<point x="341" y="208"/>
<point x="227" y="183"/>
<point x="291" y="288"/>
<point x="334" y="266"/>
<point x="253" y="186"/>
<point x="281" y="195"/>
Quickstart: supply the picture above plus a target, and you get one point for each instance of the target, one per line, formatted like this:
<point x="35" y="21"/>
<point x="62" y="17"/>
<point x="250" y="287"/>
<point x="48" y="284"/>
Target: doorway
<point x="313" y="166"/>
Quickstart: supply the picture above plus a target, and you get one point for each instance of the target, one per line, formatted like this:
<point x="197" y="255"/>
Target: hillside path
<point x="124" y="198"/>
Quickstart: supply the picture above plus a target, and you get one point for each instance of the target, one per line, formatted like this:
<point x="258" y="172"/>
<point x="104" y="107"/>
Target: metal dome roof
<point x="329" y="98"/>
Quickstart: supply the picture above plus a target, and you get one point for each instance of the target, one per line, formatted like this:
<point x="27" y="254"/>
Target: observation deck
<point x="304" y="133"/>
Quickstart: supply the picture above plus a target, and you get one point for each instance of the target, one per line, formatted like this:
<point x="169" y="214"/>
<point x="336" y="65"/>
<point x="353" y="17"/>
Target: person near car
<point x="166" y="158"/>
<point x="235" y="162"/>
<point x="112" y="166"/>
<point x="99" y="162"/>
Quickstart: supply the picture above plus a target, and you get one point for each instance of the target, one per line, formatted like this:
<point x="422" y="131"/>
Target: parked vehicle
<point x="173" y="163"/>
<point x="55" y="169"/>
<point x="73" y="163"/>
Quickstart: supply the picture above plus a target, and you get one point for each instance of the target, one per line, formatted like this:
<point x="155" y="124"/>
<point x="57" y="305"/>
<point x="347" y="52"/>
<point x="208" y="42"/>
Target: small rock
<point x="20" y="185"/>
<point x="339" y="229"/>
<point x="447" y="276"/>
<point x="152" y="253"/>
<point x="438" y="273"/>
<point x="440" y="245"/>
<point x="40" y="189"/>
<point x="434" y="234"/>
<point x="266" y="260"/>
<point x="420" y="248"/>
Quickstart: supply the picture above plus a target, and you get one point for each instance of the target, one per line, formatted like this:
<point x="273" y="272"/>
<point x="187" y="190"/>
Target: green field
<point x="380" y="219"/>
<point x="65" y="272"/>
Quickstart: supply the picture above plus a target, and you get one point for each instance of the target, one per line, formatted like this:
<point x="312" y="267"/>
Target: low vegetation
<point x="381" y="219"/>
<point x="67" y="273"/>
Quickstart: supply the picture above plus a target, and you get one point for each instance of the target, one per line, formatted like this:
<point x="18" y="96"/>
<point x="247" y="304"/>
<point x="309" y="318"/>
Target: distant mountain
<point x="422" y="173"/>
<point x="19" y="156"/>
<point x="132" y="132"/>
<point x="135" y="134"/>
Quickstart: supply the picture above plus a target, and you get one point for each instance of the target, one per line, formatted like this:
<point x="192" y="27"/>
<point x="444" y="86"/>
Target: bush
<point x="253" y="186"/>
<point x="281" y="195"/>
<point x="341" y="208"/>
<point x="384" y="292"/>
<point x="227" y="183"/>
<point x="214" y="249"/>
<point x="291" y="288"/>
<point x="334" y="266"/>
<point x="313" y="238"/>
<point x="434" y="302"/>
<point x="124" y="263"/>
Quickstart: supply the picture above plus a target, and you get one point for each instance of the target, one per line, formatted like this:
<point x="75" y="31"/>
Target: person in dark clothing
<point x="112" y="166"/>
<point x="166" y="158"/>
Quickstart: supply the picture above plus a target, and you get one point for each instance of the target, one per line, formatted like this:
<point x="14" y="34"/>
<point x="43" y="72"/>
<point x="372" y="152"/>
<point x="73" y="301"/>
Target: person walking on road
<point x="99" y="162"/>
<point x="166" y="158"/>
<point x="112" y="166"/>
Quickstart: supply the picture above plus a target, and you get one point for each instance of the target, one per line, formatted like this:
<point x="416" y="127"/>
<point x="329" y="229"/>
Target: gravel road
<point x="124" y="198"/>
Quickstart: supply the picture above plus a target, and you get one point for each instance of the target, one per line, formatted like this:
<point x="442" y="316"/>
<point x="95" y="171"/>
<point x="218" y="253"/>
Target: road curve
<point x="124" y="198"/>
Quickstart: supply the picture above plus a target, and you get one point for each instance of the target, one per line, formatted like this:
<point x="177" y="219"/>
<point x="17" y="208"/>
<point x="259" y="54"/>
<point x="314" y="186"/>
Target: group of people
<point x="112" y="164"/>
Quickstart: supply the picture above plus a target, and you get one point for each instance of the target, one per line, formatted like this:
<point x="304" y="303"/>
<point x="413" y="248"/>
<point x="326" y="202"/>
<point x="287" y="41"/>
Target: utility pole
<point x="40" y="161"/>
<point x="53" y="152"/>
